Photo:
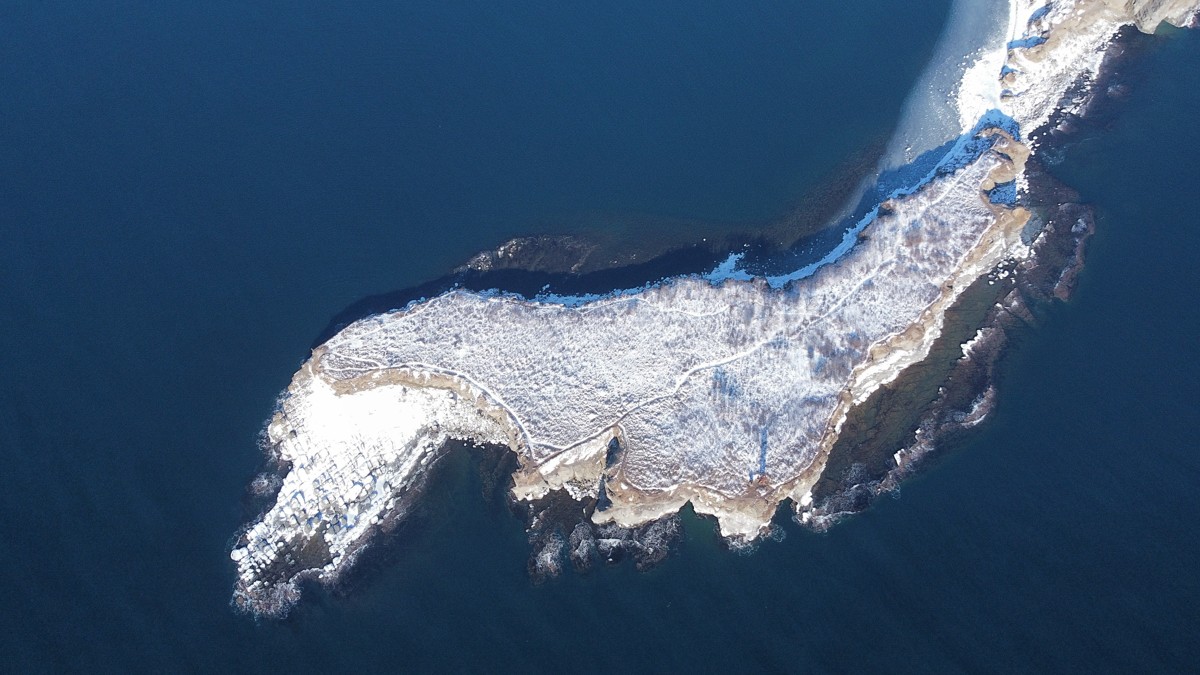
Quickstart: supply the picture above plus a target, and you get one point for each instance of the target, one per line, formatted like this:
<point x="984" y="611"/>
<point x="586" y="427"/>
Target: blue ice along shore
<point x="725" y="390"/>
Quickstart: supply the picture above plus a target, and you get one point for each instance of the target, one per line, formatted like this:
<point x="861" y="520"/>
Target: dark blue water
<point x="188" y="194"/>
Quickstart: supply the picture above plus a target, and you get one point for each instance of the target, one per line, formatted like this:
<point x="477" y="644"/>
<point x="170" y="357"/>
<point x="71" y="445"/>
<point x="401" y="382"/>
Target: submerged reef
<point x="729" y="391"/>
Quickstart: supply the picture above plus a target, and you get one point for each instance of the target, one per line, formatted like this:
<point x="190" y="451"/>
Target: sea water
<point x="189" y="193"/>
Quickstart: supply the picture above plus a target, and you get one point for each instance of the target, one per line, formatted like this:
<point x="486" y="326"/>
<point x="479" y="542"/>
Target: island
<point x="730" y="391"/>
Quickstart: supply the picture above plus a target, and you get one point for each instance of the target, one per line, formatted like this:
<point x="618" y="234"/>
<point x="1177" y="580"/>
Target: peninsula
<point x="726" y="390"/>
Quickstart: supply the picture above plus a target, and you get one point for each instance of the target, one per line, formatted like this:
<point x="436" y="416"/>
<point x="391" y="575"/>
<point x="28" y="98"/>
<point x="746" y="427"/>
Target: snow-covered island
<point x="726" y="390"/>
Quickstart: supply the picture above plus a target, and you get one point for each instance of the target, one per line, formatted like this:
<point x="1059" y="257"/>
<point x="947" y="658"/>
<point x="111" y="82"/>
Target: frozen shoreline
<point x="727" y="392"/>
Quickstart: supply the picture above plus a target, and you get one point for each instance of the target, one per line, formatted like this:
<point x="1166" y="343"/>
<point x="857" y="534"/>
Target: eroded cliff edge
<point x="727" y="393"/>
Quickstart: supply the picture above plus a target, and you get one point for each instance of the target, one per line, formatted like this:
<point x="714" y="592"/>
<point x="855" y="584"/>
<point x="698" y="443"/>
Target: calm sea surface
<point x="189" y="192"/>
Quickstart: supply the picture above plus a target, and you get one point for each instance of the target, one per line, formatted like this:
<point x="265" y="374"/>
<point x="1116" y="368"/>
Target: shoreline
<point x="584" y="265"/>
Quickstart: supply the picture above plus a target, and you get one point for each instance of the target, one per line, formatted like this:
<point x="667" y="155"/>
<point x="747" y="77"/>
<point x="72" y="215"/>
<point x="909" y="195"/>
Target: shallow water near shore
<point x="152" y="311"/>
